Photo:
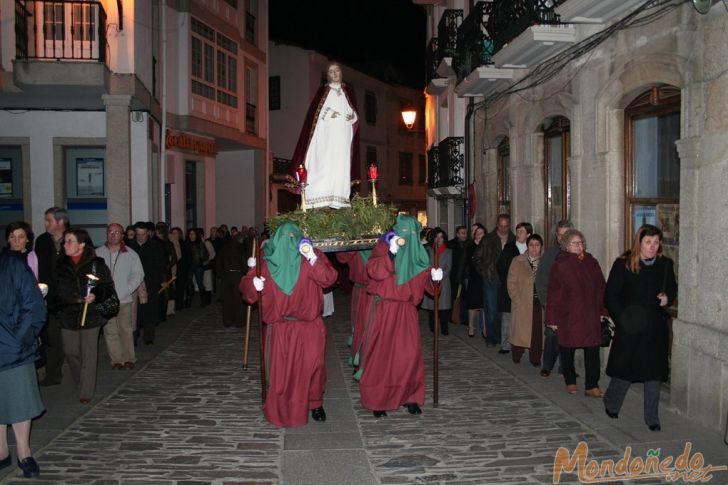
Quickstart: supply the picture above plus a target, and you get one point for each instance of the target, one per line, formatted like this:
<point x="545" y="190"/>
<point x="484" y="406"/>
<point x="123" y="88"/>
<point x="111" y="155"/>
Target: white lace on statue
<point x="328" y="159"/>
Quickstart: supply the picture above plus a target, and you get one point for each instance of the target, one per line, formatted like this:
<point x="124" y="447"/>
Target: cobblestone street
<point x="190" y="414"/>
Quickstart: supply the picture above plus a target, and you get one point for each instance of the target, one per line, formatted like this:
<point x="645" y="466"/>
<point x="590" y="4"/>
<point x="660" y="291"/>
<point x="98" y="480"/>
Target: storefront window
<point x="557" y="149"/>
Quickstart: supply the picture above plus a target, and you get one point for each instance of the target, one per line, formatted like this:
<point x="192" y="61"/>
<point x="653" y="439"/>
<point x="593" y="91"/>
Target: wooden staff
<point x="436" y="342"/>
<point x="262" y="330"/>
<point x="247" y="318"/>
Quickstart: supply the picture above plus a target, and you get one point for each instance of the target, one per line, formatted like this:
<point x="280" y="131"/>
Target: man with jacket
<point x="458" y="245"/>
<point x="154" y="262"/>
<point x="49" y="248"/>
<point x="128" y="274"/>
<point x="495" y="241"/>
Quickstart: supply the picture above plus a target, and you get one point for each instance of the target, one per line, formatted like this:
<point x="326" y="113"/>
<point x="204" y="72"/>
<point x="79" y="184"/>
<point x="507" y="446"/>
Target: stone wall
<point x="682" y="49"/>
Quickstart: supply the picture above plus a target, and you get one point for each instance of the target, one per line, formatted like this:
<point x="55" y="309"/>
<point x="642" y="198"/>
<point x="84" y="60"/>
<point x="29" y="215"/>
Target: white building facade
<point x="581" y="113"/>
<point x="126" y="111"/>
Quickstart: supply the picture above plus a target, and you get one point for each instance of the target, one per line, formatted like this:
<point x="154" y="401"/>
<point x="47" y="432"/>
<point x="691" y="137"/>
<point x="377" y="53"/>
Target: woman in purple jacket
<point x="575" y="306"/>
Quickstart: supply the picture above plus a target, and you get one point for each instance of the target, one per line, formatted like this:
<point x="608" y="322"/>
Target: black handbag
<point x="607" y="331"/>
<point x="108" y="308"/>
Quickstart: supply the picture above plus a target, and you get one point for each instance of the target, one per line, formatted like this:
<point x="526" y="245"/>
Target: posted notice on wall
<point x="6" y="177"/>
<point x="89" y="177"/>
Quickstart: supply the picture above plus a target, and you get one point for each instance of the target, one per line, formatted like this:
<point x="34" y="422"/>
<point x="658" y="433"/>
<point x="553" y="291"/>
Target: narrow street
<point x="190" y="415"/>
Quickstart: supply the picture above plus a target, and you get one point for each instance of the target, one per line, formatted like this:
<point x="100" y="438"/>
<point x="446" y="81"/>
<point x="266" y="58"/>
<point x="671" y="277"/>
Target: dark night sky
<point x="384" y="38"/>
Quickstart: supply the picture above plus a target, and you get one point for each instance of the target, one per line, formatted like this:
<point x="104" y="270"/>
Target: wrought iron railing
<point x="60" y="30"/>
<point x="509" y="18"/>
<point x="432" y="59"/>
<point x="446" y="163"/>
<point x="281" y="166"/>
<point x="474" y="45"/>
<point x="447" y="32"/>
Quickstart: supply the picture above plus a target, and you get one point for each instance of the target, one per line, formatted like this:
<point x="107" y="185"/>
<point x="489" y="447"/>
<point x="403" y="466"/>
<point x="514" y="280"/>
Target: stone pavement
<point x="189" y="414"/>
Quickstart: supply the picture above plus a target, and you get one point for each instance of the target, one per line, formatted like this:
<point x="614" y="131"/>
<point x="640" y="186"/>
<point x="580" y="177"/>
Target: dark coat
<point x="154" y="262"/>
<point x="543" y="271"/>
<point x="459" y="261"/>
<point x="69" y="289"/>
<point x="493" y="249"/>
<point x="509" y="252"/>
<point x="576" y="300"/>
<point x="45" y="249"/>
<point x="642" y="356"/>
<point x="23" y="312"/>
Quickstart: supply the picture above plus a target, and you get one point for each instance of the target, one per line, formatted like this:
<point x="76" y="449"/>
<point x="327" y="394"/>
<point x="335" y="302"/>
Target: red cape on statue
<point x="309" y="125"/>
<point x="295" y="341"/>
<point x="392" y="363"/>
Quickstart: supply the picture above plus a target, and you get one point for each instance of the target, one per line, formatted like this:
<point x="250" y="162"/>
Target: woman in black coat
<point x="641" y="285"/>
<point x="69" y="294"/>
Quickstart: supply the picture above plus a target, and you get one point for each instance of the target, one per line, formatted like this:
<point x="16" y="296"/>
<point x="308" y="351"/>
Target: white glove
<point x="43" y="289"/>
<point x="312" y="260"/>
<point x="393" y="246"/>
<point x="252" y="262"/>
<point x="436" y="274"/>
<point x="258" y="283"/>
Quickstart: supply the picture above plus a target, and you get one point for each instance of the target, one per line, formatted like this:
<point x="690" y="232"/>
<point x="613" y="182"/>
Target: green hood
<point x="365" y="256"/>
<point x="284" y="260"/>
<point x="411" y="259"/>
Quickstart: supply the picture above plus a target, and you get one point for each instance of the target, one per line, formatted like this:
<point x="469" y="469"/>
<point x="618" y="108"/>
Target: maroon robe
<point x="393" y="368"/>
<point x="576" y="300"/>
<point x="309" y="125"/>
<point x="295" y="341"/>
<point x="360" y="300"/>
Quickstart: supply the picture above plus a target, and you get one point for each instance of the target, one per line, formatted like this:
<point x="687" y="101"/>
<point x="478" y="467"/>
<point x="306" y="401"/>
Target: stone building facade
<point x="633" y="130"/>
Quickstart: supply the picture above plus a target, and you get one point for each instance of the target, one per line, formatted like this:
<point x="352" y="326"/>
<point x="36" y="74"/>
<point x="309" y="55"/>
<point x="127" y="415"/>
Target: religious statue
<point x="328" y="147"/>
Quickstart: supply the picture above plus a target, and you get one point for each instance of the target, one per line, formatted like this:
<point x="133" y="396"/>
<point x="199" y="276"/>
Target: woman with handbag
<point x="641" y="286"/>
<point x="82" y="280"/>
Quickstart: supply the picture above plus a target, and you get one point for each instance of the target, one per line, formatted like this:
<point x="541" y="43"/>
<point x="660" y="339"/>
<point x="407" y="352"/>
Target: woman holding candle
<point x="81" y="278"/>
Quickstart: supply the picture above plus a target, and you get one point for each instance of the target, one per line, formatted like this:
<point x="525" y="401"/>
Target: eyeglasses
<point x="114" y="232"/>
<point x="576" y="243"/>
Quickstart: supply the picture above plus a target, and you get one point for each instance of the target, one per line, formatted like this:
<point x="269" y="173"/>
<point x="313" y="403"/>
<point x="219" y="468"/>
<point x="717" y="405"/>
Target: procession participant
<point x="360" y="299"/>
<point x="292" y="290"/>
<point x="392" y="371"/>
<point x="328" y="145"/>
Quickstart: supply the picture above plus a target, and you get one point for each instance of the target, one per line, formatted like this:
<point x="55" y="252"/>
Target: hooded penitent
<point x="411" y="259"/>
<point x="284" y="260"/>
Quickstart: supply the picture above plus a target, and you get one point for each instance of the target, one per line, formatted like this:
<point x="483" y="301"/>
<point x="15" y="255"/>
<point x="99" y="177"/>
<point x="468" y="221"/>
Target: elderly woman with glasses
<point x="575" y="306"/>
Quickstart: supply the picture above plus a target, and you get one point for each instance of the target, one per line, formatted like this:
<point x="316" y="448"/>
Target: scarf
<point x="441" y="248"/>
<point x="411" y="259"/>
<point x="281" y="254"/>
<point x="534" y="263"/>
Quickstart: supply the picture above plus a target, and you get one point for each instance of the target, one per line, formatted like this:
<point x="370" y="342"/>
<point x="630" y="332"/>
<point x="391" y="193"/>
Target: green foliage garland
<point x="362" y="220"/>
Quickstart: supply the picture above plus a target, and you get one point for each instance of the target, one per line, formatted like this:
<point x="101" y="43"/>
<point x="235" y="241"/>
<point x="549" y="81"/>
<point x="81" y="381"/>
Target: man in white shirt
<point x="128" y="274"/>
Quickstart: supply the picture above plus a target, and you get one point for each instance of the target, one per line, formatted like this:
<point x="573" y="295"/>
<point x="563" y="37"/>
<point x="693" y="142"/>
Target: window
<point x="504" y="180"/>
<point x="371" y="155"/>
<point x="251" y="99"/>
<point x="652" y="172"/>
<point x="557" y="148"/>
<point x="53" y="21"/>
<point x="274" y="92"/>
<point x="422" y="179"/>
<point x="370" y="107"/>
<point x="214" y="65"/>
<point x="83" y="22"/>
<point x="405" y="168"/>
<point x="251" y="20"/>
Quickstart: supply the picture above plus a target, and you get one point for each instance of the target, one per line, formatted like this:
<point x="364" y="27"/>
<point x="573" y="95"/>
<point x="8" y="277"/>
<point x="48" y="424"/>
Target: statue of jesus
<point x="329" y="143"/>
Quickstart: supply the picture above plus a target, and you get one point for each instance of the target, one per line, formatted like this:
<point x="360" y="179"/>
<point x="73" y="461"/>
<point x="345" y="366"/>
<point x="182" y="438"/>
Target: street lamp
<point x="409" y="115"/>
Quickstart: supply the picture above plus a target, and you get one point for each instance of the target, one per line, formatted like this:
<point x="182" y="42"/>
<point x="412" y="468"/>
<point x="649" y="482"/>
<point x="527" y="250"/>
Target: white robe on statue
<point x="328" y="159"/>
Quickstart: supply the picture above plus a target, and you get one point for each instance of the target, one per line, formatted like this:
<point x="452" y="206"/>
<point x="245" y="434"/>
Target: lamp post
<point x="373" y="174"/>
<point x="301" y="177"/>
<point x="409" y="115"/>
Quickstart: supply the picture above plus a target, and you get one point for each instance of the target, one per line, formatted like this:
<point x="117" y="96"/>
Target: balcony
<point x="446" y="168"/>
<point x="474" y="46"/>
<point x="435" y="83"/>
<point x="534" y="45"/>
<point x="483" y="81"/>
<point x="60" y="47"/>
<point x="447" y="35"/>
<point x="595" y="11"/>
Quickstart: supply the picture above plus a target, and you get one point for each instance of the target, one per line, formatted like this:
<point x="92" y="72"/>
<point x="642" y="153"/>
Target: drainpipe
<point x="469" y="164"/>
<point x="163" y="137"/>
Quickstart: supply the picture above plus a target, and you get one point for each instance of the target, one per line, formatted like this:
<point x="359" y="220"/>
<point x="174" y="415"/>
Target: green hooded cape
<point x="281" y="254"/>
<point x="411" y="259"/>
